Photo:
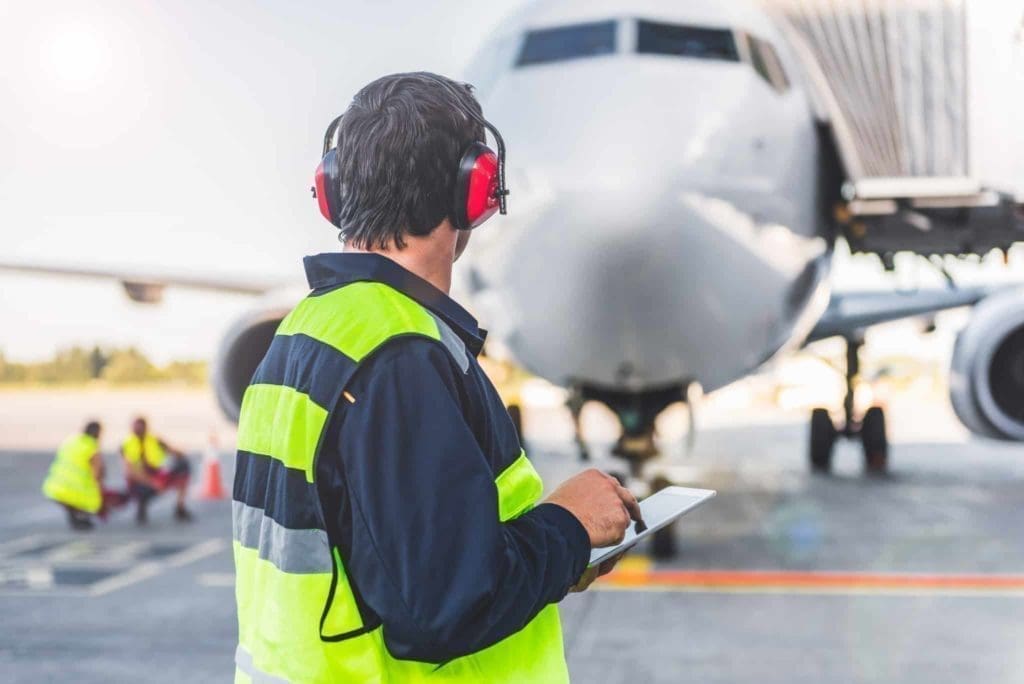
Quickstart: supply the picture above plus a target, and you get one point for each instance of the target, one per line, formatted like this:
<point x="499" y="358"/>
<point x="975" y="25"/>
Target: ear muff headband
<point x="460" y="210"/>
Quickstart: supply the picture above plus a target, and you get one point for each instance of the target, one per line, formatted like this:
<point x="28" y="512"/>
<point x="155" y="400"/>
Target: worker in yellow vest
<point x="75" y="477"/>
<point x="388" y="524"/>
<point x="145" y="456"/>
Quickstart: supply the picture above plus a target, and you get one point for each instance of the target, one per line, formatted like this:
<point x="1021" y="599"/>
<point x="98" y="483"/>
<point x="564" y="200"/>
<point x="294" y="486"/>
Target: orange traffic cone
<point x="211" y="487"/>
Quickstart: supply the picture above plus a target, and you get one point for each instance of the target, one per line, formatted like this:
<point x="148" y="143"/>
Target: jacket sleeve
<point x="426" y="551"/>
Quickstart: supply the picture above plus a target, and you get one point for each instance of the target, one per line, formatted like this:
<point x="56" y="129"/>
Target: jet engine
<point x="241" y="350"/>
<point x="986" y="382"/>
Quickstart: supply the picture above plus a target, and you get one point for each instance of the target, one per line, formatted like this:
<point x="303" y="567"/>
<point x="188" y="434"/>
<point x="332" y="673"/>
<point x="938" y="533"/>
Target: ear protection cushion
<point x="476" y="187"/>
<point x="327" y="186"/>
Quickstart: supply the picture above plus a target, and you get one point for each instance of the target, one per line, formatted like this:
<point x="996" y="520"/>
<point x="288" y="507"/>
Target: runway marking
<point x="194" y="553"/>
<point x="43" y="565"/>
<point x="633" y="565"/>
<point x="639" y="578"/>
<point x="216" y="579"/>
<point x="124" y="579"/>
<point x="13" y="546"/>
<point x="153" y="568"/>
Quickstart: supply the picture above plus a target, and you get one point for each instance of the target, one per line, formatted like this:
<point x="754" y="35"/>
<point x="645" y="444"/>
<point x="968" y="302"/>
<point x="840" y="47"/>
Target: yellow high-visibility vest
<point x="71" y="479"/>
<point x="147" y="450"/>
<point x="298" y="620"/>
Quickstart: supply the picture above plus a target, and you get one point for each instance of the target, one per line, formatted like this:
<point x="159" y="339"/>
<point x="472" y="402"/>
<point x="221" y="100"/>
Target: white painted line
<point x="133" y="576"/>
<point x="194" y="553"/>
<point x="39" y="578"/>
<point x="153" y="568"/>
<point x="20" y="544"/>
<point x="216" y="579"/>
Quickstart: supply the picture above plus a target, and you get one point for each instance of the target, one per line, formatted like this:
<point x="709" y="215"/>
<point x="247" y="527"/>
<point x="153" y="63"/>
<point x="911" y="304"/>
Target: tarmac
<point x="784" y="577"/>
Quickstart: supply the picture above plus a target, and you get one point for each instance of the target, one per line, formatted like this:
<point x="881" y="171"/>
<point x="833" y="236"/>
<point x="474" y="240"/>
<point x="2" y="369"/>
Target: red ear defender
<point x="326" y="186"/>
<point x="477" y="187"/>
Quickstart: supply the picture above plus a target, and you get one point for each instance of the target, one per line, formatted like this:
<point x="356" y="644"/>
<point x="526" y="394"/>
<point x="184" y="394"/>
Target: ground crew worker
<point x="144" y="456"/>
<point x="75" y="477"/>
<point x="387" y="523"/>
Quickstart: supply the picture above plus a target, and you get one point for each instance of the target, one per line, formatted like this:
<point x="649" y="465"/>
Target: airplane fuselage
<point x="665" y="220"/>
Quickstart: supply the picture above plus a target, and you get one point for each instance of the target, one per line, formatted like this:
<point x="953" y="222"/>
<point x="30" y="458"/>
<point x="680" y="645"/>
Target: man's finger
<point x="632" y="505"/>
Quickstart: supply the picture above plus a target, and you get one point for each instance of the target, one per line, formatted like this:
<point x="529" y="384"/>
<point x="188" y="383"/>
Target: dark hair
<point x="399" y="146"/>
<point x="92" y="428"/>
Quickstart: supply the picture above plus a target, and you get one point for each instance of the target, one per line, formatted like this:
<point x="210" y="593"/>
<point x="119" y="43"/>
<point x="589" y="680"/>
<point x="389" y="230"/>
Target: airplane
<point x="678" y="193"/>
<point x="678" y="189"/>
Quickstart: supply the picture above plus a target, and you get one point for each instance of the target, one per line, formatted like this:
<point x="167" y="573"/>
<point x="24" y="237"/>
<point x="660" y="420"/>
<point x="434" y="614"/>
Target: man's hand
<point x="600" y="503"/>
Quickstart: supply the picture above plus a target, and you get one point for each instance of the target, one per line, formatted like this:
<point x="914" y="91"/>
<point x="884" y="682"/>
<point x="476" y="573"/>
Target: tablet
<point x="658" y="510"/>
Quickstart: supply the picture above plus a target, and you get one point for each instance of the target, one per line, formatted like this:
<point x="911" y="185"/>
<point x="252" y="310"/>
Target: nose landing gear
<point x="870" y="430"/>
<point x="636" y="445"/>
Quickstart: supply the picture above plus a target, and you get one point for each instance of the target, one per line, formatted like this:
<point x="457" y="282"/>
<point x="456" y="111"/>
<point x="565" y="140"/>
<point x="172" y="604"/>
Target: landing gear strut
<point x="870" y="430"/>
<point x="575" y="403"/>
<point x="636" y="445"/>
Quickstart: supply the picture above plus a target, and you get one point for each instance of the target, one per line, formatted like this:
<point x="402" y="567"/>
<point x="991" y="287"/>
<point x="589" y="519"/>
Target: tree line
<point x="113" y="365"/>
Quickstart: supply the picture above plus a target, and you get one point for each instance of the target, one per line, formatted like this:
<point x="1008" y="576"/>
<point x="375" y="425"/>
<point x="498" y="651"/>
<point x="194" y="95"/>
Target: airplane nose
<point x="639" y="285"/>
<point x="637" y="244"/>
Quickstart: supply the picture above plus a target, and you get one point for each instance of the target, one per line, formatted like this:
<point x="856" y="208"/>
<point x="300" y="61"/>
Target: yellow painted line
<point x="639" y="578"/>
<point x="634" y="564"/>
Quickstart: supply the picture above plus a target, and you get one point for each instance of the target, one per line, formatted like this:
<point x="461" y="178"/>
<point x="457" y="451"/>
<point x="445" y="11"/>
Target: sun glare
<point x="78" y="56"/>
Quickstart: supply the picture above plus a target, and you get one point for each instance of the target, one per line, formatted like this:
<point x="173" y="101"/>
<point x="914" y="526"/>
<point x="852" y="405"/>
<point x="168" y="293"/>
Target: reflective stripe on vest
<point x="71" y="480"/>
<point x="298" y="618"/>
<point x="133" y="450"/>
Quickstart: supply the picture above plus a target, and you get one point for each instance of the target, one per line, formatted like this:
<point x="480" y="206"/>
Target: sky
<point x="183" y="137"/>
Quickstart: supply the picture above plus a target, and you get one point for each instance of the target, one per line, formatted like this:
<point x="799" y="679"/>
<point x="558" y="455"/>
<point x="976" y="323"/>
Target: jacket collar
<point x="334" y="269"/>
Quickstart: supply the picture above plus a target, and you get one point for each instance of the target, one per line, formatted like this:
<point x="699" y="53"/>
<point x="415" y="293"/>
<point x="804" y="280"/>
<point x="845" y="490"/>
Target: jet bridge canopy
<point x="922" y="99"/>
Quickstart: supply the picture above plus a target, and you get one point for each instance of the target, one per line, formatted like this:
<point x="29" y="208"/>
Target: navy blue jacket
<point x="406" y="481"/>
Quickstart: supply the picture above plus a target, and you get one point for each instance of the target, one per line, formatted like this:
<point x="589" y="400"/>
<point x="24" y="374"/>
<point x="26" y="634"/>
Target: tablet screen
<point x="659" y="509"/>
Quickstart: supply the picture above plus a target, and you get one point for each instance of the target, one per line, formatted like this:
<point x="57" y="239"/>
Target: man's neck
<point x="421" y="258"/>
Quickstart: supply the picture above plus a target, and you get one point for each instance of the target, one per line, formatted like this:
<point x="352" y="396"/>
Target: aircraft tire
<point x="875" y="442"/>
<point x="663" y="544"/>
<point x="822" y="440"/>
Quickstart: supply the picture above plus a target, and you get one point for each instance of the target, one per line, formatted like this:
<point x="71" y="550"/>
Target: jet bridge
<point x="923" y="102"/>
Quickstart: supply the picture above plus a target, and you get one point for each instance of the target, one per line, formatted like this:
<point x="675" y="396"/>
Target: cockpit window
<point x="567" y="42"/>
<point x="654" y="38"/>
<point x="767" y="64"/>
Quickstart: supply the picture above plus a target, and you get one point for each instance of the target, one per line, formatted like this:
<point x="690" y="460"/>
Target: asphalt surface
<point x="784" y="577"/>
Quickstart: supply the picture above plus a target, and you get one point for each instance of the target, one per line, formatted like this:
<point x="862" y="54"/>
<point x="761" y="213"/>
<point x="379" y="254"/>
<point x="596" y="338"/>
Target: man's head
<point x="139" y="427"/>
<point x="93" y="429"/>
<point x="399" y="146"/>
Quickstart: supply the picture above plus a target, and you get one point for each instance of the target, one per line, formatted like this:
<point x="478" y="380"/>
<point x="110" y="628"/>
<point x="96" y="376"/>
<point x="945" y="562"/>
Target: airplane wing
<point x="147" y="286"/>
<point x="850" y="312"/>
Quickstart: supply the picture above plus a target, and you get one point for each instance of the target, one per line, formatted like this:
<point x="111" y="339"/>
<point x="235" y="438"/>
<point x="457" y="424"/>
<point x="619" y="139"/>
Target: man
<point x="144" y="456"/>
<point x="387" y="523"/>
<point x="75" y="476"/>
